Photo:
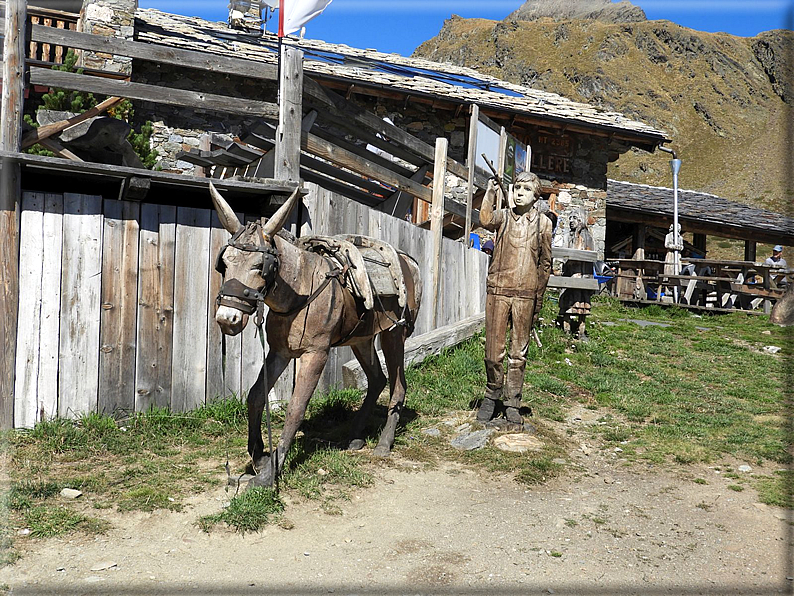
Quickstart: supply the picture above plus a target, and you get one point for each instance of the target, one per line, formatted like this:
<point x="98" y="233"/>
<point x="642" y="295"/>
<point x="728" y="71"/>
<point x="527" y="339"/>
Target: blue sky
<point x="400" y="26"/>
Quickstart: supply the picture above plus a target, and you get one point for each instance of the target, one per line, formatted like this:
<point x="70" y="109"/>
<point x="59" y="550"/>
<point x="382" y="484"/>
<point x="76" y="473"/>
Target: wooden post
<point x="436" y="222"/>
<point x="500" y="168"/>
<point x="749" y="250"/>
<point x="290" y="118"/>
<point x="638" y="241"/>
<point x="13" y="98"/>
<point x="699" y="242"/>
<point x="470" y="161"/>
<point x="290" y="115"/>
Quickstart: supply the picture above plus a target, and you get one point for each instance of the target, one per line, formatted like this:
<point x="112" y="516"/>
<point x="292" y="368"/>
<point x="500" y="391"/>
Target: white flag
<point x="299" y="12"/>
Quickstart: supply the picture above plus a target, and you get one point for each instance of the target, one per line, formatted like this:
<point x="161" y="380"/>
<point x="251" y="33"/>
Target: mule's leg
<point x="311" y="367"/>
<point x="393" y="344"/>
<point x="274" y="365"/>
<point x="376" y="381"/>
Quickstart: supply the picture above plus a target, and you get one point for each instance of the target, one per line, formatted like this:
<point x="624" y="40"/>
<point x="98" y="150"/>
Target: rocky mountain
<point x="725" y="100"/>
<point x="566" y="10"/>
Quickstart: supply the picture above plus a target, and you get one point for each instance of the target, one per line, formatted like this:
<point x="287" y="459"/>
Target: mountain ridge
<point x="725" y="100"/>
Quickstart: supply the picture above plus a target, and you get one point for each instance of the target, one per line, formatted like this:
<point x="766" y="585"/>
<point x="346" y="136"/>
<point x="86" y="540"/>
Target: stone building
<point x="570" y="143"/>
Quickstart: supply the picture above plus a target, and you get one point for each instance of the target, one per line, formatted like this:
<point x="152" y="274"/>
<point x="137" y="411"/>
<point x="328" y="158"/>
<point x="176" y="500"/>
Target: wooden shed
<point x="108" y="267"/>
<point x="635" y="211"/>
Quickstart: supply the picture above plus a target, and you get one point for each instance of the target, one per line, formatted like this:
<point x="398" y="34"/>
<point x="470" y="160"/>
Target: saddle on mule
<point x="372" y="266"/>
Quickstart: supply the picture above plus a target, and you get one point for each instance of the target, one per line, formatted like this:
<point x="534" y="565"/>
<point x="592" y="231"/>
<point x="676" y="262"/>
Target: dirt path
<point x="611" y="529"/>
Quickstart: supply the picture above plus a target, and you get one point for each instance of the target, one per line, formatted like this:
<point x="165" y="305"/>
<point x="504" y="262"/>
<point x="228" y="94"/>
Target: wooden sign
<point x="552" y="154"/>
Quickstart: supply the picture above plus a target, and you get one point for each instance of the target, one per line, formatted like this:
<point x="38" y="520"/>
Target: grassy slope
<point x="698" y="390"/>
<point x="732" y="145"/>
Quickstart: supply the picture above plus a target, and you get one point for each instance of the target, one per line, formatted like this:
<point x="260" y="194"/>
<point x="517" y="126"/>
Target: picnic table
<point x="727" y="284"/>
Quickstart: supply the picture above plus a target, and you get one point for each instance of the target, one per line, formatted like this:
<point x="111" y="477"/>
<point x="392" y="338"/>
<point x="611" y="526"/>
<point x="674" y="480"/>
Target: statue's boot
<point x="488" y="408"/>
<point x="513" y="415"/>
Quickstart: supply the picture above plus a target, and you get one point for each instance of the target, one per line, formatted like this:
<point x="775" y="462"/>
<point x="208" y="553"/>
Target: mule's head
<point x="248" y="263"/>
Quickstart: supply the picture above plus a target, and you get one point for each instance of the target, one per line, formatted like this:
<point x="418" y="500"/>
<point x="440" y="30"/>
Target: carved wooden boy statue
<point x="517" y="279"/>
<point x="575" y="303"/>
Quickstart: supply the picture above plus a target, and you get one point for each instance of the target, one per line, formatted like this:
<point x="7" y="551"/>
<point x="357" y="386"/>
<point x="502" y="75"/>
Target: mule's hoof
<point x="356" y="444"/>
<point x="264" y="478"/>
<point x="255" y="467"/>
<point x="382" y="451"/>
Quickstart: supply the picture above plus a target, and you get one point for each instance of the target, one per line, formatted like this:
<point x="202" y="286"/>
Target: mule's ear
<point x="275" y="223"/>
<point x="225" y="213"/>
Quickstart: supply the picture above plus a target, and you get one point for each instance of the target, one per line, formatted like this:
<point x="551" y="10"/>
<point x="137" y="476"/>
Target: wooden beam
<point x="288" y="133"/>
<point x="638" y="240"/>
<point x="331" y="170"/>
<point x="11" y="106"/>
<point x="362" y="151"/>
<point x="362" y="134"/>
<point x="420" y="347"/>
<point x="721" y="230"/>
<point x="42" y="132"/>
<point x="338" y="187"/>
<point x="205" y="61"/>
<point x="58" y="149"/>
<point x="322" y="148"/>
<point x="398" y="203"/>
<point x="471" y="159"/>
<point x="749" y="250"/>
<point x="579" y="283"/>
<point x="323" y="98"/>
<point x="153" y="93"/>
<point x="436" y="228"/>
<point x="262" y="185"/>
<point x="574" y="254"/>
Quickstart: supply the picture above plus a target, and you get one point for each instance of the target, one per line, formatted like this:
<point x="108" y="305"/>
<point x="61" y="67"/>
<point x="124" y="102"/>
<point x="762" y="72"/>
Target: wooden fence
<point x="116" y="308"/>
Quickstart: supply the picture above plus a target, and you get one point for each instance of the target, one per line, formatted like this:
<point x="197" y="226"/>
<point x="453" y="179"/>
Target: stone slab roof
<point x="372" y="68"/>
<point x="701" y="207"/>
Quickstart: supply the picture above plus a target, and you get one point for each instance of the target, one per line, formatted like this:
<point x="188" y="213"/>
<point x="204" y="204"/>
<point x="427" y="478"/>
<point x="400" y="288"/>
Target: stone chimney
<point x="110" y="18"/>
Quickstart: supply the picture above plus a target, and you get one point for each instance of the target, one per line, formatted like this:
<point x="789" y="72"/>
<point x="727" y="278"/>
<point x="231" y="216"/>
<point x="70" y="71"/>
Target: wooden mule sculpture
<point x="311" y="309"/>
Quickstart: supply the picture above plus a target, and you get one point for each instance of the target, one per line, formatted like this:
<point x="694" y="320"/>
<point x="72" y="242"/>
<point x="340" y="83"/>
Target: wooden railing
<point x="330" y="106"/>
<point x="50" y="53"/>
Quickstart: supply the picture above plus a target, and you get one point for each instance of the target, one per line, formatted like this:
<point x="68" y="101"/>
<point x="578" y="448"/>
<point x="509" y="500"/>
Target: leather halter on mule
<point x="246" y="298"/>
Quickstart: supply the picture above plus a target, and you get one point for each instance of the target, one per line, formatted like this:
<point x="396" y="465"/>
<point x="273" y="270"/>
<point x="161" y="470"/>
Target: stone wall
<point x="579" y="182"/>
<point x="179" y="129"/>
<point x="111" y="18"/>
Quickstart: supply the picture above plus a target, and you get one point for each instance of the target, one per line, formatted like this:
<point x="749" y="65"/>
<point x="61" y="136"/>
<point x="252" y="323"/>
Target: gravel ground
<point x="610" y="528"/>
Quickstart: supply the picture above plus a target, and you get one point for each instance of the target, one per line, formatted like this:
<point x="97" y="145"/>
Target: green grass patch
<point x="249" y="511"/>
<point x="45" y="521"/>
<point x="777" y="489"/>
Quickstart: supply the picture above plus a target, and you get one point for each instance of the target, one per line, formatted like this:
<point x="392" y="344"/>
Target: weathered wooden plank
<point x="423" y="253"/>
<point x="419" y="347"/>
<point x="50" y="306"/>
<point x="588" y="256"/>
<point x="11" y="106"/>
<point x="78" y="379"/>
<point x="31" y="263"/>
<point x="580" y="283"/>
<point x="191" y="297"/>
<point x="320" y="98"/>
<point x="119" y="307"/>
<point x="288" y="139"/>
<point x="436" y="215"/>
<point x="155" y="307"/>
<point x="41" y="161"/>
<point x="220" y="382"/>
<point x="362" y="151"/>
<point x="471" y="160"/>
<point x="362" y="166"/>
<point x="161" y="95"/>
<point x="334" y="185"/>
<point x="155" y="53"/>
